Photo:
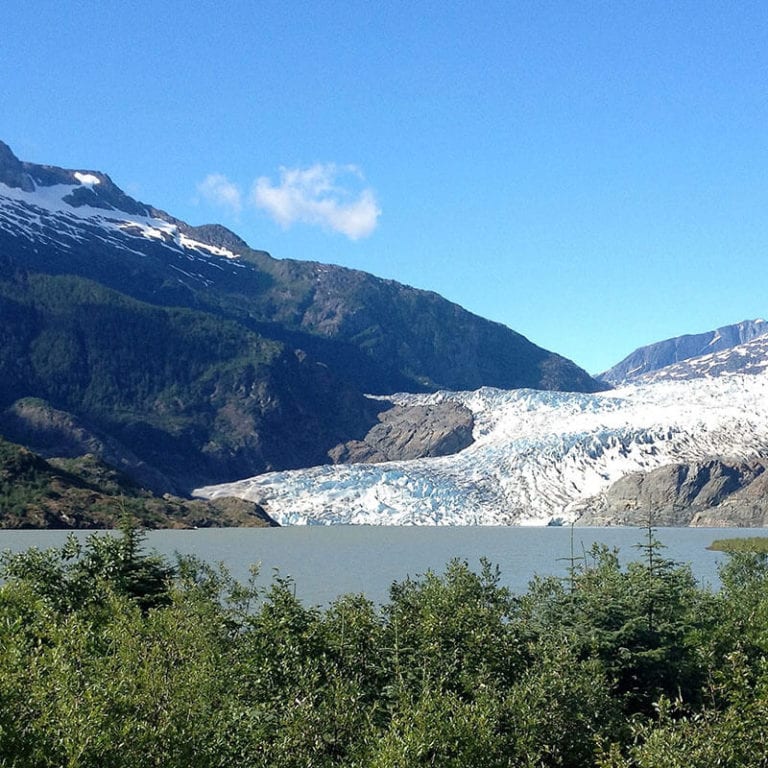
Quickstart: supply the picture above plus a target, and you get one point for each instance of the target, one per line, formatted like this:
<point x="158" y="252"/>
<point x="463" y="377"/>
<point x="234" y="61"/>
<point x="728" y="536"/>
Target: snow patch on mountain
<point x="645" y="360"/>
<point x="535" y="454"/>
<point x="87" y="178"/>
<point x="750" y="358"/>
<point x="47" y="215"/>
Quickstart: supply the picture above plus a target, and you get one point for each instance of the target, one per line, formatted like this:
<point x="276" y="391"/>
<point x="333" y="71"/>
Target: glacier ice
<point x="535" y="454"/>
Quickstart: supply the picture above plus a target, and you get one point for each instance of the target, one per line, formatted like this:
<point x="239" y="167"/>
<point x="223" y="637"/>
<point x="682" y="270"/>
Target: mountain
<point x="535" y="458"/>
<point x="394" y="337"/>
<point x="664" y="353"/>
<point x="748" y="358"/>
<point x="195" y="359"/>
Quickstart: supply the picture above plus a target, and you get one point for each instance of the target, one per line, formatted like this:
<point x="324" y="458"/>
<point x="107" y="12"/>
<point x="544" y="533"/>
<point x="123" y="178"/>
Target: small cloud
<point x="322" y="195"/>
<point x="217" y="189"/>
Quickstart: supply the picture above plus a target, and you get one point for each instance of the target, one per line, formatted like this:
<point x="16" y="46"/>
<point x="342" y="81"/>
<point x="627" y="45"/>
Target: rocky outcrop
<point x="718" y="492"/>
<point x="410" y="432"/>
<point x="12" y="172"/>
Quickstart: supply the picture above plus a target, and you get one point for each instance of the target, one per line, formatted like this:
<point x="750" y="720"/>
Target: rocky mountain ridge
<point x="653" y="357"/>
<point x="748" y="358"/>
<point x="186" y="359"/>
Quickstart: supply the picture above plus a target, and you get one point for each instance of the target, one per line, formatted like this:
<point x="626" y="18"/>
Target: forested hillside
<point x="194" y="396"/>
<point x="86" y="493"/>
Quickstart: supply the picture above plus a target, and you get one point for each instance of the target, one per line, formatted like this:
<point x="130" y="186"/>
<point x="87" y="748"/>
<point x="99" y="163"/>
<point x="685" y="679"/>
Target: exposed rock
<point x="718" y="492"/>
<point x="410" y="432"/>
<point x="12" y="171"/>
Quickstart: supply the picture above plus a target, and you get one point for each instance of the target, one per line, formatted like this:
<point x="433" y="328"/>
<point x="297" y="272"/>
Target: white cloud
<point x="218" y="189"/>
<point x="320" y="195"/>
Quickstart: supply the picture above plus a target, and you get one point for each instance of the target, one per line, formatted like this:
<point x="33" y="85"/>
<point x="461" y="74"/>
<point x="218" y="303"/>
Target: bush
<point x="110" y="656"/>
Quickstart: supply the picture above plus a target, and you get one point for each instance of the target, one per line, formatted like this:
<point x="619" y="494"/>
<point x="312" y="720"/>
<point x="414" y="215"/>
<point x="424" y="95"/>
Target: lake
<point x="328" y="561"/>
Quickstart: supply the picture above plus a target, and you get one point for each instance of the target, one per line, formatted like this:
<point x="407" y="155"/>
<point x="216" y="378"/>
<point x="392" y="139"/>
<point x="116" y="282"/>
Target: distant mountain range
<point x="651" y="358"/>
<point x="748" y="358"/>
<point x="184" y="357"/>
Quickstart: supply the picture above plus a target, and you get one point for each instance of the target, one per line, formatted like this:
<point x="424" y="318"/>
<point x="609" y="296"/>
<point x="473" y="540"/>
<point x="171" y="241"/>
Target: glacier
<point x="535" y="455"/>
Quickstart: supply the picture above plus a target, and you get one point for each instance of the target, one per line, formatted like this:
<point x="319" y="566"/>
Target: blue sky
<point x="593" y="175"/>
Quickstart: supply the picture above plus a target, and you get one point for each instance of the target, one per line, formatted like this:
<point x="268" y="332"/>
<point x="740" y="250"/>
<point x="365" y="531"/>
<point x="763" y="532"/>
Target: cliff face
<point x="718" y="492"/>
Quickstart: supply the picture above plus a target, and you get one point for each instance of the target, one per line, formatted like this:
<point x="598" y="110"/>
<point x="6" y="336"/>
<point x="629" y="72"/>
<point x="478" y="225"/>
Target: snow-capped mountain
<point x="748" y="358"/>
<point x="670" y="351"/>
<point x="385" y="336"/>
<point x="58" y="212"/>
<point x="535" y="455"/>
<point x="67" y="214"/>
<point x="203" y="359"/>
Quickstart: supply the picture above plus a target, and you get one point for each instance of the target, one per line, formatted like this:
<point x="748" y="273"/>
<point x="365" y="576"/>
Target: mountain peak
<point x="12" y="171"/>
<point x="6" y="155"/>
<point x="92" y="188"/>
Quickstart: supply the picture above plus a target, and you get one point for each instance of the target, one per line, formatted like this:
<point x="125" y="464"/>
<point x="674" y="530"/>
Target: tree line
<point x="114" y="656"/>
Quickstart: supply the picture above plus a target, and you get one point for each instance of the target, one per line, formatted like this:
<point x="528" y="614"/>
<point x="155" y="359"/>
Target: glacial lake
<point x="328" y="561"/>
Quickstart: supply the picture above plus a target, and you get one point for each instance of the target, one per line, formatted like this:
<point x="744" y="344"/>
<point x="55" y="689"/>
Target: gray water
<point x="326" y="562"/>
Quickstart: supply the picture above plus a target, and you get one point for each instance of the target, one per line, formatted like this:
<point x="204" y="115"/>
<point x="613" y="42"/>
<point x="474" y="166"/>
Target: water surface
<point x="328" y="561"/>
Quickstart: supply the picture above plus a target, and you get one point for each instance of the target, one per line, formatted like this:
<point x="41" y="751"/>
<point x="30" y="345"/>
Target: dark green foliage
<point x="110" y="656"/>
<point x="198" y="397"/>
<point x="71" y="577"/>
<point x="453" y="632"/>
<point x="86" y="493"/>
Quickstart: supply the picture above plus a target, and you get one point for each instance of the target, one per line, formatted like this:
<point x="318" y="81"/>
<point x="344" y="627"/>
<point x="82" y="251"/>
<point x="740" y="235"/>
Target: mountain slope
<point x="748" y="358"/>
<point x="664" y="353"/>
<point x="192" y="395"/>
<point x="385" y="336"/>
<point x="84" y="493"/>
